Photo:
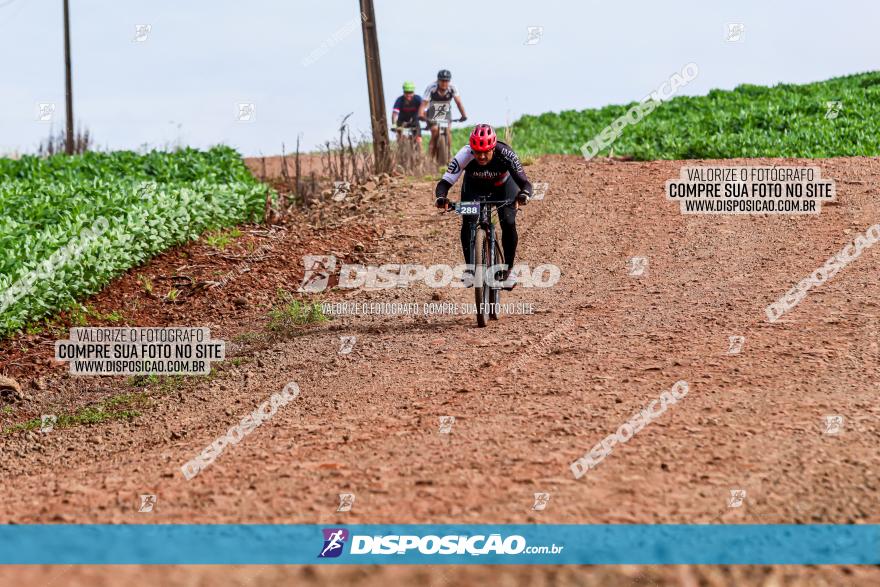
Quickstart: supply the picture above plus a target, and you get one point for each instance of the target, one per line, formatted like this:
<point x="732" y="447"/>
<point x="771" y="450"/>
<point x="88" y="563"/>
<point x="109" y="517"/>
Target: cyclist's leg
<point x="507" y="220"/>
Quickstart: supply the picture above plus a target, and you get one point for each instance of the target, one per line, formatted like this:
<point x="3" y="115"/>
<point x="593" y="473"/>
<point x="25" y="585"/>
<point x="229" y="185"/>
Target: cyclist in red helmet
<point x="490" y="168"/>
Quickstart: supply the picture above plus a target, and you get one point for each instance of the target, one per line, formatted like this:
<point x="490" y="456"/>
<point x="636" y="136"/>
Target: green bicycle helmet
<point x="409" y="87"/>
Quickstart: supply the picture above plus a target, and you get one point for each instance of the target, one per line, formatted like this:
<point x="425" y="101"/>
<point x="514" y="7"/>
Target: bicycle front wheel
<point x="482" y="291"/>
<point x="495" y="292"/>
<point x="442" y="153"/>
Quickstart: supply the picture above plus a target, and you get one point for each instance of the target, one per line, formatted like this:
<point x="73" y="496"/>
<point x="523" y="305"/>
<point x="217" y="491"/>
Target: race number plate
<point x="442" y="112"/>
<point x="469" y="208"/>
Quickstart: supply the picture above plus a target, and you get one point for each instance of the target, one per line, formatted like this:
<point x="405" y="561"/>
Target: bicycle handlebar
<point x="414" y="127"/>
<point x="454" y="206"/>
<point x="425" y="119"/>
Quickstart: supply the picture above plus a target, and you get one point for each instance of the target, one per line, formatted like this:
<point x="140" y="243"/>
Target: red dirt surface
<point x="529" y="394"/>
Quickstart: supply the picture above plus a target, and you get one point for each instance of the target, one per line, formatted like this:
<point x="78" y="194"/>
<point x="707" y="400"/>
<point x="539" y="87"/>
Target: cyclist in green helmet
<point x="406" y="112"/>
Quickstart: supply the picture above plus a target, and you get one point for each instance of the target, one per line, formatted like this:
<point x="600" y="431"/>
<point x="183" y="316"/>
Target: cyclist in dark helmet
<point x="441" y="91"/>
<point x="491" y="168"/>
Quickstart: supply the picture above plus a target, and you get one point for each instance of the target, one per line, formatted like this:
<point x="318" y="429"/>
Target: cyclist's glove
<point x="522" y="198"/>
<point x="442" y="202"/>
<point x="462" y="119"/>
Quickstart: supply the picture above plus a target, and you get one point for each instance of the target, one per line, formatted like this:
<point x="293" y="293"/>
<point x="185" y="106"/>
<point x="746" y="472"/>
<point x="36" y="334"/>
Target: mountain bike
<point x="485" y="250"/>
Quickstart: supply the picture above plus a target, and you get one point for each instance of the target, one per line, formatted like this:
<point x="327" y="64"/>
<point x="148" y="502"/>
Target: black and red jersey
<point x="505" y="164"/>
<point x="407" y="111"/>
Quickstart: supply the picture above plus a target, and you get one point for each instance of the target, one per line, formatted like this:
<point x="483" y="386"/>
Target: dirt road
<point x="529" y="394"/>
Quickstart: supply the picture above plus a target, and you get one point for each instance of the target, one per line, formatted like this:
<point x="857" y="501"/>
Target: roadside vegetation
<point x="69" y="224"/>
<point x="839" y="117"/>
<point x="119" y="407"/>
<point x="288" y="313"/>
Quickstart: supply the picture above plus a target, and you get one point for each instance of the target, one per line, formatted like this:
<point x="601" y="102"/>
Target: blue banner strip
<point x="521" y="544"/>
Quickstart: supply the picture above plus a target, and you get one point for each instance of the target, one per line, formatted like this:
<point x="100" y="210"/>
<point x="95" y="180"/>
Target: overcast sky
<point x="200" y="59"/>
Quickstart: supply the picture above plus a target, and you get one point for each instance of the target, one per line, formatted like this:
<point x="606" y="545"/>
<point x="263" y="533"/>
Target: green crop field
<point x="68" y="225"/>
<point x="750" y="121"/>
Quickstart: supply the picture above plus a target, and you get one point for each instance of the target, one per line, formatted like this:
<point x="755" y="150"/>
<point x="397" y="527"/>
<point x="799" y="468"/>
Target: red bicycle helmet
<point x="483" y="138"/>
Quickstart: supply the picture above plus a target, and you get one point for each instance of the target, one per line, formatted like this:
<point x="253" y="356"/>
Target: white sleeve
<point x="458" y="163"/>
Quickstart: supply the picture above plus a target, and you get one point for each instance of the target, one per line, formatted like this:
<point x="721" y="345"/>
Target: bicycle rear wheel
<point x="481" y="288"/>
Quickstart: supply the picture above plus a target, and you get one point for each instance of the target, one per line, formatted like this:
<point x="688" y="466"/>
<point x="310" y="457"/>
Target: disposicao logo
<point x="334" y="540"/>
<point x="455" y="544"/>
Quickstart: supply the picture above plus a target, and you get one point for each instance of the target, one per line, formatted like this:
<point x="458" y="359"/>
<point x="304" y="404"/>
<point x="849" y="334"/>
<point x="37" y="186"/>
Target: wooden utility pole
<point x="381" y="151"/>
<point x="68" y="90"/>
